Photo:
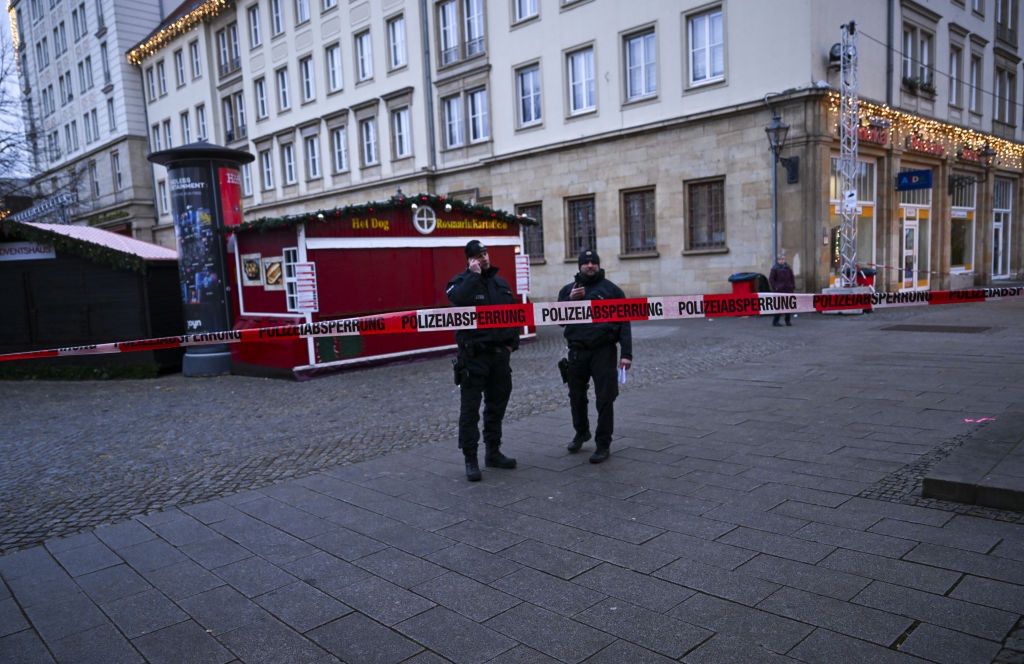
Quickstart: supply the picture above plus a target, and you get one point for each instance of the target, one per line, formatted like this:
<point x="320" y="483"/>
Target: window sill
<point x="538" y="261"/>
<point x="697" y="86"/>
<point x="581" y="114"/>
<point x="704" y="252"/>
<point x="639" y="255"/>
<point x="640" y="100"/>
<point x="399" y="69"/>
<point x="533" y="126"/>
<point x="526" y="20"/>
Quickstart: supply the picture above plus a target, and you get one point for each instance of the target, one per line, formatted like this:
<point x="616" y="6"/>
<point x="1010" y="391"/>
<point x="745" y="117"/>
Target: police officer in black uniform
<point x="592" y="354"/>
<point x="483" y="362"/>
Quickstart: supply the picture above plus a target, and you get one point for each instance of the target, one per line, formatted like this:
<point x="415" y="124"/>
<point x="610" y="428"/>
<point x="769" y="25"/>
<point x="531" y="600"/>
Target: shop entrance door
<point x="915" y="249"/>
<point x="1002" y="213"/>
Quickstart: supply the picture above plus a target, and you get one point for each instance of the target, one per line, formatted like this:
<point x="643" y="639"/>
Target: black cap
<point x="474" y="248"/>
<point x="588" y="256"/>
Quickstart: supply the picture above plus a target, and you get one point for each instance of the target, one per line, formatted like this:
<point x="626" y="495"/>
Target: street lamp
<point x="987" y="158"/>
<point x="777" y="131"/>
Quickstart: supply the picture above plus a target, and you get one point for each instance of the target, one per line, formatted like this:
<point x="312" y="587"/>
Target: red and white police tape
<point x="671" y="307"/>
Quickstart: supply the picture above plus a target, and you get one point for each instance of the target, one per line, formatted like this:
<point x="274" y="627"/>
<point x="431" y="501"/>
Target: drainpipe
<point x="428" y="84"/>
<point x="890" y="50"/>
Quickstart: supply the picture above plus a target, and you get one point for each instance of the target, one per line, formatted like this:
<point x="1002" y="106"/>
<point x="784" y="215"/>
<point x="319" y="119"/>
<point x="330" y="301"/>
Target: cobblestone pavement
<point x="80" y="454"/>
<point x="757" y="508"/>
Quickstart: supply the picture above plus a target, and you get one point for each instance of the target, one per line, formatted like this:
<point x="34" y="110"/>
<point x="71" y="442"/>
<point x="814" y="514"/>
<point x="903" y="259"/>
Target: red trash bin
<point x="744" y="283"/>
<point x="866" y="276"/>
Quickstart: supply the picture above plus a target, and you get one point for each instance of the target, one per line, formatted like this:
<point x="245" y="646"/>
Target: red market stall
<point x="380" y="257"/>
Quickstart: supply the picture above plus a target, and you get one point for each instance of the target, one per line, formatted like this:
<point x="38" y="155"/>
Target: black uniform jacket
<point x="593" y="335"/>
<point x="469" y="289"/>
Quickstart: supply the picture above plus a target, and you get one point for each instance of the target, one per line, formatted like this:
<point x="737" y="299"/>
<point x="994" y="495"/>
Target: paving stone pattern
<point x="735" y="520"/>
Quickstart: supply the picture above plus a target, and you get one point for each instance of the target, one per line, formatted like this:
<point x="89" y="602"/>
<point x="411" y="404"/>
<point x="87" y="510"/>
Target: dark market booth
<point x="69" y="285"/>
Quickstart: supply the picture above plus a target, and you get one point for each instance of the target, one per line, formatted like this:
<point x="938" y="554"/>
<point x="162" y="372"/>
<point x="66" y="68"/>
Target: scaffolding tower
<point x="849" y="120"/>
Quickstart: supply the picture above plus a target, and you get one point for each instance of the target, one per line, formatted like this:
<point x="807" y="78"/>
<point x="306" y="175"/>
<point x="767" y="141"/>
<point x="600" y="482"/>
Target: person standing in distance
<point x="593" y="354"/>
<point x="484" y="361"/>
<point x="781" y="280"/>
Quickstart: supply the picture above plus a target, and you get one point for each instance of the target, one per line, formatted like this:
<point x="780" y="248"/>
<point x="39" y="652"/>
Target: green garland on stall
<point x="397" y="202"/>
<point x="82" y="248"/>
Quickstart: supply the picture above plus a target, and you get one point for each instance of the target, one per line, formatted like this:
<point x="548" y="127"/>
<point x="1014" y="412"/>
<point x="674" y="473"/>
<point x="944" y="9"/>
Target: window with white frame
<point x="150" y="84"/>
<point x="228" y="115"/>
<point x="288" y="163"/>
<point x="186" y="127"/>
<point x="276" y="17"/>
<point x="289" y="257"/>
<point x="400" y="138"/>
<point x="94" y="120"/>
<point x="116" y="176"/>
<point x="332" y="58"/>
<point x="255" y="37"/>
<point x="364" y="56"/>
<point x="197" y="62"/>
<point x="1005" y="92"/>
<point x="247" y="179"/>
<point x="479" y="116"/>
<point x="641" y="65"/>
<point x="105" y="63"/>
<point x="448" y="29"/>
<point x="154" y="136"/>
<point x="524" y="9"/>
<point x="259" y="87"/>
<point x="165" y="203"/>
<point x="94" y="180"/>
<point x="368" y="140"/>
<point x="88" y="128"/>
<point x="339" y="149"/>
<point x="301" y="11"/>
<point x="311" y="145"/>
<point x="460" y="38"/>
<point x="111" y="115"/>
<point x="284" y="102"/>
<point x="528" y="93"/>
<point x="918" y="56"/>
<point x="240" y="113"/>
<point x="266" y="170"/>
<point x="201" y="123"/>
<point x="453" y="136"/>
<point x="167" y="133"/>
<point x="308" y="78"/>
<point x="974" y="83"/>
<point x="474" y="15"/>
<point x="956" y="64"/>
<point x="707" y="52"/>
<point x="179" y="68"/>
<point x="329" y="4"/>
<point x="582" y="86"/>
<point x="396" y="42"/>
<point x="87" y="67"/>
<point x="100" y="22"/>
<point x="161" y="78"/>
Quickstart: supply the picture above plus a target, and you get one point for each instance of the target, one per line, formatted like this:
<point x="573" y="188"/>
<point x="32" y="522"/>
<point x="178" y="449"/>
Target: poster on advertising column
<point x="199" y="252"/>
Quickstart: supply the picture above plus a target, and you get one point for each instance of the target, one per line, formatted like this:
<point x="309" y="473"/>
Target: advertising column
<point x="203" y="182"/>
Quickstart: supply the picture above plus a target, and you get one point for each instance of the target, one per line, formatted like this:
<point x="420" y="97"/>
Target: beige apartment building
<point x="637" y="129"/>
<point x="84" y="111"/>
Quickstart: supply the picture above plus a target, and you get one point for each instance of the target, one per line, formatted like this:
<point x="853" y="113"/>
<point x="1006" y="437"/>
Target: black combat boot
<point x="600" y="454"/>
<point x="495" y="459"/>
<point x="472" y="468"/>
<point x="577" y="442"/>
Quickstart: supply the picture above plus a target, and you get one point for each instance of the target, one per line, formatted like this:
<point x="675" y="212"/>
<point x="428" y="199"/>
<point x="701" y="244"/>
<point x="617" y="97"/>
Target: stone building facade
<point x="637" y="129"/>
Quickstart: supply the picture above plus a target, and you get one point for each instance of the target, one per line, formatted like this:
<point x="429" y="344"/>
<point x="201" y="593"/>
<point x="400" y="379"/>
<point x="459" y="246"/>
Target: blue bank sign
<point x="909" y="180"/>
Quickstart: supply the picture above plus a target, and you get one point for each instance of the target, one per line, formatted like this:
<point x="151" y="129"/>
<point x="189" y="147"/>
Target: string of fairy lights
<point x="204" y="12"/>
<point x="953" y="137"/>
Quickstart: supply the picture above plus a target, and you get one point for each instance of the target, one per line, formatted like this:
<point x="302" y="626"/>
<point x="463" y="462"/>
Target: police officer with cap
<point x="483" y="362"/>
<point x="593" y="354"/>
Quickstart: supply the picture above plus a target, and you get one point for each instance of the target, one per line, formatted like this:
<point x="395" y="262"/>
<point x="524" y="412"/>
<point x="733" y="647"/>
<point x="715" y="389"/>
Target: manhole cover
<point x="954" y="329"/>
